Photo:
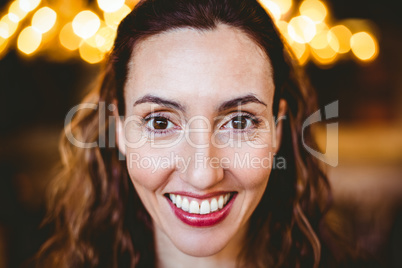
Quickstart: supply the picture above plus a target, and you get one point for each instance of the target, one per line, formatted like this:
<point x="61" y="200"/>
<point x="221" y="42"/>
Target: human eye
<point x="241" y="122"/>
<point x="159" y="124"/>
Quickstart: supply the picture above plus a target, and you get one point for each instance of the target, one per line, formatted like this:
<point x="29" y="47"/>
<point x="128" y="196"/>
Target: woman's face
<point x="199" y="134"/>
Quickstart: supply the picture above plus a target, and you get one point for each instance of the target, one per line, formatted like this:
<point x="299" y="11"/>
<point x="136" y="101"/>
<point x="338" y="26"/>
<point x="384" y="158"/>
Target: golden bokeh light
<point x="104" y="38"/>
<point x="7" y="26"/>
<point x="284" y="5"/>
<point x="272" y="8"/>
<point x="4" y="32"/>
<point x="3" y="47"/>
<point x="302" y="29"/>
<point x="301" y="51"/>
<point x="2" y="40"/>
<point x="324" y="56"/>
<point x="110" y="5"/>
<point x="343" y="35"/>
<point x="320" y="40"/>
<point x="364" y="46"/>
<point x="304" y="24"/>
<point x="282" y="26"/>
<point x="333" y="42"/>
<point x="16" y="10"/>
<point x="360" y="25"/>
<point x="29" y="5"/>
<point x="314" y="9"/>
<point x="90" y="54"/>
<point x="68" y="38"/>
<point x="283" y="29"/>
<point x="44" y="19"/>
<point x="29" y="40"/>
<point x="14" y="18"/>
<point x="321" y="26"/>
<point x="3" y="44"/>
<point x="86" y="24"/>
<point x="91" y="41"/>
<point x="113" y="19"/>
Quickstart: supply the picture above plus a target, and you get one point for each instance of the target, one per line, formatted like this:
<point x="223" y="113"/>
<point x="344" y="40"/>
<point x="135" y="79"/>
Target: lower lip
<point x="203" y="220"/>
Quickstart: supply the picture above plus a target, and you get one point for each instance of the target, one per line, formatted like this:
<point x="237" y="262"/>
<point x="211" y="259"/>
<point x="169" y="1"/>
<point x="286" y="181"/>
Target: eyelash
<point x="147" y="119"/>
<point x="255" y="123"/>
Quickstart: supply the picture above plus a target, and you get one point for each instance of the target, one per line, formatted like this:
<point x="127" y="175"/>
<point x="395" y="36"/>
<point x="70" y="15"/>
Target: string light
<point x="29" y="5"/>
<point x="364" y="46"/>
<point x="306" y="26"/>
<point x="301" y="52"/>
<point x="14" y="18"/>
<point x="29" y="40"/>
<point x="343" y="35"/>
<point x="7" y="26"/>
<point x="4" y="30"/>
<point x="104" y="39"/>
<point x="113" y="19"/>
<point x="16" y="10"/>
<point x="302" y="29"/>
<point x="44" y="19"/>
<point x="272" y="8"/>
<point x="90" y="54"/>
<point x="3" y="45"/>
<point x="324" y="56"/>
<point x="320" y="40"/>
<point x="284" y="5"/>
<point x="110" y="5"/>
<point x="86" y="24"/>
<point x="333" y="41"/>
<point x="68" y="38"/>
<point x="313" y="9"/>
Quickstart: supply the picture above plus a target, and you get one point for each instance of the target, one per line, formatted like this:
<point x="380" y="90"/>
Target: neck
<point x="169" y="256"/>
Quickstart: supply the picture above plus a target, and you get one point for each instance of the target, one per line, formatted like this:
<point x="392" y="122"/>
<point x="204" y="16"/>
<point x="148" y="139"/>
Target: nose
<point x="204" y="169"/>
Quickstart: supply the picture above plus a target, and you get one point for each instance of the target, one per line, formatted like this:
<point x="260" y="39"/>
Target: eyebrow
<point x="250" y="98"/>
<point x="160" y="101"/>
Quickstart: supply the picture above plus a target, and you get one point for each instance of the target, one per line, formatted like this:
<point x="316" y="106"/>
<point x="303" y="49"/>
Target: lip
<point x="197" y="196"/>
<point x="202" y="220"/>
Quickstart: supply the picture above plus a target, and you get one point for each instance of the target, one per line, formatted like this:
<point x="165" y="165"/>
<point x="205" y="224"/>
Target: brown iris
<point x="239" y="122"/>
<point x="160" y="123"/>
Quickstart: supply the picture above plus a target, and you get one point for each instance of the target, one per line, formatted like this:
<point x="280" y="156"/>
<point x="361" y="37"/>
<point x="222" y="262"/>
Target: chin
<point x="203" y="247"/>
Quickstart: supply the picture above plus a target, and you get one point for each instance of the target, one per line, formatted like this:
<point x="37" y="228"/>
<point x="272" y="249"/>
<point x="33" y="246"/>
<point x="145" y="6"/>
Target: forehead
<point x="192" y="63"/>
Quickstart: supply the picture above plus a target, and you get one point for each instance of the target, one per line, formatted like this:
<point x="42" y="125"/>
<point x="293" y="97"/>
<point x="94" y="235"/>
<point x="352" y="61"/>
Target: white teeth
<point x="185" y="205"/>
<point x="178" y="201"/>
<point x="220" y="202"/>
<point x="194" y="207"/>
<point x="205" y="207"/>
<point x="214" y="205"/>
<point x="173" y="198"/>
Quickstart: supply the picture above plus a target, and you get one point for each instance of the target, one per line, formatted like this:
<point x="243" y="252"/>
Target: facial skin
<point x="198" y="72"/>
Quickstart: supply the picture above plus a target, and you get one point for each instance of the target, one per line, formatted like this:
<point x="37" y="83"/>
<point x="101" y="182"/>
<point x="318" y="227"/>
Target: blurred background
<point x="51" y="52"/>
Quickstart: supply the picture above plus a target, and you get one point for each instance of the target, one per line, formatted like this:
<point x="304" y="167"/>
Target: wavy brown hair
<point x="99" y="220"/>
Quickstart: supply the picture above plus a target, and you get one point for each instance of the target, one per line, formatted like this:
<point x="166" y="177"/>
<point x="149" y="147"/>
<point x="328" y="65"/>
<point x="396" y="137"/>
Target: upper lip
<point x="200" y="196"/>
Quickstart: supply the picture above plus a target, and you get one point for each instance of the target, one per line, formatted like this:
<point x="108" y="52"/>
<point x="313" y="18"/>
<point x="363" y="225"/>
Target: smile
<point x="201" y="211"/>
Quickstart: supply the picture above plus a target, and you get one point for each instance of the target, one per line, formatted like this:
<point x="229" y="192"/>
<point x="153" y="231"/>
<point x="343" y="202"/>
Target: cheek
<point x="147" y="177"/>
<point x="254" y="175"/>
<point x="251" y="165"/>
<point x="148" y="171"/>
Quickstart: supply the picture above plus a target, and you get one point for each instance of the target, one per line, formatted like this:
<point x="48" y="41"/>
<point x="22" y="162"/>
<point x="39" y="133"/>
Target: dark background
<point x="36" y="94"/>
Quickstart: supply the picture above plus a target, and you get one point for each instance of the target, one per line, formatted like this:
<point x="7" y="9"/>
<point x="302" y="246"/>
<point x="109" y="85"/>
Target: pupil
<point x="160" y="123"/>
<point x="239" y="122"/>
